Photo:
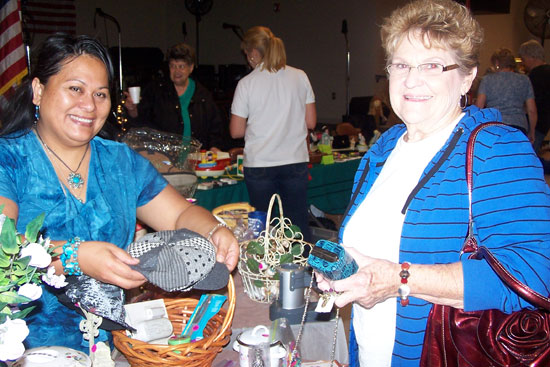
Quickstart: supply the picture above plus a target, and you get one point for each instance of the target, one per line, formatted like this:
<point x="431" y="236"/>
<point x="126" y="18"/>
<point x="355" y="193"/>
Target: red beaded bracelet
<point x="404" y="289"/>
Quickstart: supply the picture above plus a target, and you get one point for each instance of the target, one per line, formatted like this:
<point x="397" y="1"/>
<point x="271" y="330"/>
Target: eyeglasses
<point x="427" y="69"/>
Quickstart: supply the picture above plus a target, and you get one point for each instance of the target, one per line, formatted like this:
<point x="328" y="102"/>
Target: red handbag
<point x="489" y="338"/>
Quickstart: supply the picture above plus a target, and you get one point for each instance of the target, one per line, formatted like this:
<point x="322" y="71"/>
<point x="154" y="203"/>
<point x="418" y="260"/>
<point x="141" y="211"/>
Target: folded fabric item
<point x="178" y="261"/>
<point x="101" y="299"/>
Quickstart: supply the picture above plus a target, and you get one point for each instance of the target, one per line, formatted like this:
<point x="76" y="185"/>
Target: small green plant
<point x="20" y="258"/>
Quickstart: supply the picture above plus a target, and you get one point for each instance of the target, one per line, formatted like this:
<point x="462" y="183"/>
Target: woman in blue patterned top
<point x="91" y="190"/>
<point x="509" y="92"/>
<point x="409" y="210"/>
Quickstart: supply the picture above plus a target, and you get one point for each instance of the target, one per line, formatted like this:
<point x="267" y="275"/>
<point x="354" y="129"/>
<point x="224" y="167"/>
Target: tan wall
<point x="311" y="30"/>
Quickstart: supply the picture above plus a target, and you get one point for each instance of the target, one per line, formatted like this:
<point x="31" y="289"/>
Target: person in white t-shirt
<point x="273" y="108"/>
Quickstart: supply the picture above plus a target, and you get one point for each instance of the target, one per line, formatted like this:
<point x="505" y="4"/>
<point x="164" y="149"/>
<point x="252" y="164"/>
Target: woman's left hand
<point x="375" y="281"/>
<point x="227" y="247"/>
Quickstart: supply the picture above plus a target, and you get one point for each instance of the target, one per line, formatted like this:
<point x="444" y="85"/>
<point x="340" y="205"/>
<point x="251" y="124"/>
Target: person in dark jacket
<point x="532" y="56"/>
<point x="180" y="105"/>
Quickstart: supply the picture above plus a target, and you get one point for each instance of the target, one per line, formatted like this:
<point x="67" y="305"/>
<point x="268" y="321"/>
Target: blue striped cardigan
<point x="511" y="208"/>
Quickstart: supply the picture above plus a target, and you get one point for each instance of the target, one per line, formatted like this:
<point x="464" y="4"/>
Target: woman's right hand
<point x="374" y="282"/>
<point x="109" y="264"/>
<point x="130" y="106"/>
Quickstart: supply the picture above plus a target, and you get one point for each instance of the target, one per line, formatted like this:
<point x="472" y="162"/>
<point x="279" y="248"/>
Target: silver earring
<point x="463" y="103"/>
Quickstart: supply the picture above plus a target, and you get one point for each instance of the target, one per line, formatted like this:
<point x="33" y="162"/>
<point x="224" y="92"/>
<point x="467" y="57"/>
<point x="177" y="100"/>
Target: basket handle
<point x="268" y="219"/>
<point x="230" y="311"/>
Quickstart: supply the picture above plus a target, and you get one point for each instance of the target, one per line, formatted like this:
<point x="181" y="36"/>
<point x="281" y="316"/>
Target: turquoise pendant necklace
<point x="74" y="179"/>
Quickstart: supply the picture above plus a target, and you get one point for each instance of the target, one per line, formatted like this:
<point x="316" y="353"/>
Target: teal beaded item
<point x="69" y="257"/>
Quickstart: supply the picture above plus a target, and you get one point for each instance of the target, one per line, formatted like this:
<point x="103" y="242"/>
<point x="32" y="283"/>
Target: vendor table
<point x="329" y="188"/>
<point x="317" y="336"/>
<point x="316" y="341"/>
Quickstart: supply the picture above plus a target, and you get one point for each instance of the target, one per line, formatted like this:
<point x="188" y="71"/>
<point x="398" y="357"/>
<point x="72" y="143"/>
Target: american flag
<point x="49" y="16"/>
<point x="13" y="63"/>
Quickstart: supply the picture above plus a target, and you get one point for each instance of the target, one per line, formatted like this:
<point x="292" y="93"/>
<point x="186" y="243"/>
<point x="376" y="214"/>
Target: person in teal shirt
<point x="180" y="105"/>
<point x="52" y="162"/>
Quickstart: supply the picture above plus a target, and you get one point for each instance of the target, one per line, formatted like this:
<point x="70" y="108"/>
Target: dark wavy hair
<point x="55" y="52"/>
<point x="182" y="51"/>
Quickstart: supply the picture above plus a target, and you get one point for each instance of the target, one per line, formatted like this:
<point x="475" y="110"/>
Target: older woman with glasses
<point x="408" y="218"/>
<point x="179" y="104"/>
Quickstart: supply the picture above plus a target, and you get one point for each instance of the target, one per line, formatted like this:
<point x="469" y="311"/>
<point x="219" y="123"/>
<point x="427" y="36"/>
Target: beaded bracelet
<point x="214" y="229"/>
<point x="69" y="257"/>
<point x="404" y="289"/>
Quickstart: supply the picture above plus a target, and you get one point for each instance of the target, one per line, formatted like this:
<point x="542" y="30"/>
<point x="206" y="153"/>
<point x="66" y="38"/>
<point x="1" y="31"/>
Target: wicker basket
<point x="278" y="239"/>
<point x="217" y="334"/>
<point x="231" y="213"/>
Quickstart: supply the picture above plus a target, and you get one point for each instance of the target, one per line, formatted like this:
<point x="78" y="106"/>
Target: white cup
<point x="134" y="94"/>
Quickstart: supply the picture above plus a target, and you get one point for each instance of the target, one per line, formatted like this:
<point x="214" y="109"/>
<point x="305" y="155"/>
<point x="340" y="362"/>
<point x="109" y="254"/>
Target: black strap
<point x="356" y="192"/>
<point x="433" y="170"/>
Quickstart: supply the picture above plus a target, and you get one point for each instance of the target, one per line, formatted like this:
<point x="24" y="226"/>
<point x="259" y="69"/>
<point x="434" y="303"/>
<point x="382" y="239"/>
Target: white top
<point x="275" y="106"/>
<point x="375" y="230"/>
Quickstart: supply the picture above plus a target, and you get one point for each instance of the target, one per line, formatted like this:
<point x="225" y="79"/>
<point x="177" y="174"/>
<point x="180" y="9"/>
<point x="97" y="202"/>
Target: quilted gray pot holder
<point x="178" y="261"/>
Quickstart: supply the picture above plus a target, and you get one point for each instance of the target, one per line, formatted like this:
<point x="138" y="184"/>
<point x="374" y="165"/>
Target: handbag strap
<point x="470" y="245"/>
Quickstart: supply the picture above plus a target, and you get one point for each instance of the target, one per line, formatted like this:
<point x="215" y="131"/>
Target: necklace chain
<point x="301" y="330"/>
<point x="74" y="178"/>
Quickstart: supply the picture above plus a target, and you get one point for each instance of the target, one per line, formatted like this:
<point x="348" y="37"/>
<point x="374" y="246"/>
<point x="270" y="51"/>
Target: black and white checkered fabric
<point x="174" y="260"/>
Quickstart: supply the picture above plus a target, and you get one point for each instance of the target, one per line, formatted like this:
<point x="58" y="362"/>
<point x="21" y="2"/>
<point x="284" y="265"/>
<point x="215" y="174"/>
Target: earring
<point x="36" y="113"/>
<point x="464" y="98"/>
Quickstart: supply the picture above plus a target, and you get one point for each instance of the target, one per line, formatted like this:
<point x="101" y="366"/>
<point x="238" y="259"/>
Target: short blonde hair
<point x="270" y="47"/>
<point x="439" y="23"/>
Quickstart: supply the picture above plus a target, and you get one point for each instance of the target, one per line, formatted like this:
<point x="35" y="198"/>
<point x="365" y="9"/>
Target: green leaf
<point x="22" y="262"/>
<point x="292" y="231"/>
<point x="255" y="248"/>
<point x="24" y="312"/>
<point x="4" y="260"/>
<point x="5" y="288"/>
<point x="276" y="276"/>
<point x="23" y="273"/>
<point x="296" y="230"/>
<point x="4" y="308"/>
<point x="13" y="297"/>
<point x="286" y="258"/>
<point x="2" y="208"/>
<point x="296" y="249"/>
<point x="259" y="283"/>
<point x="253" y="265"/>
<point x="31" y="232"/>
<point x="7" y="237"/>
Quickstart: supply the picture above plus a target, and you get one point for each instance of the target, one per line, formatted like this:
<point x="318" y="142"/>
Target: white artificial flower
<point x="39" y="256"/>
<point x="31" y="291"/>
<point x="44" y="242"/>
<point x="12" y="334"/>
<point x="53" y="280"/>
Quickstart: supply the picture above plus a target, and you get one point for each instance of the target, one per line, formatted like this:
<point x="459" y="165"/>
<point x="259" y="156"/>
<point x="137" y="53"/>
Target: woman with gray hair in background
<point x="409" y="214"/>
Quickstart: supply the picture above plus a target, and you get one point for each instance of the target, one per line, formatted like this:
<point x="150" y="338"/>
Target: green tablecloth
<point x="329" y="189"/>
